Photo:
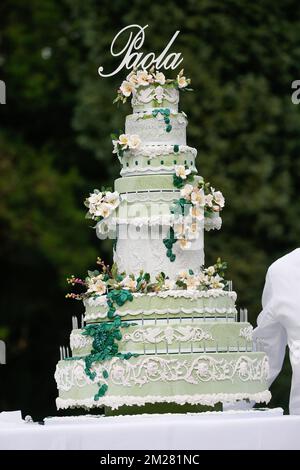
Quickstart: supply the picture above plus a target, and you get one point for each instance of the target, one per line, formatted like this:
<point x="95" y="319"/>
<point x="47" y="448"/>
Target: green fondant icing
<point x="217" y="335"/>
<point x="146" y="182"/>
<point x="169" y="388"/>
<point x="179" y="304"/>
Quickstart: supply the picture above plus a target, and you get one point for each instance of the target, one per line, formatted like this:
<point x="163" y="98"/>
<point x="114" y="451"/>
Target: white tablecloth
<point x="228" y="430"/>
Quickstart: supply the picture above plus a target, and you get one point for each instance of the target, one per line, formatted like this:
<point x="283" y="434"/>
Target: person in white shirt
<point x="279" y="321"/>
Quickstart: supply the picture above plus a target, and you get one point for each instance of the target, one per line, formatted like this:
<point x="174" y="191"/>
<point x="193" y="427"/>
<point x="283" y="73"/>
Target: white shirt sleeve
<point x="269" y="331"/>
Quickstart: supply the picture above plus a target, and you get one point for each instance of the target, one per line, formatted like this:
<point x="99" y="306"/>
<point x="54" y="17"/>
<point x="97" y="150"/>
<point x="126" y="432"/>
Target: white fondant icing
<point x="212" y="399"/>
<point x="153" y="130"/>
<point x="246" y="333"/>
<point x="167" y="334"/>
<point x="80" y="341"/>
<point x="143" y="97"/>
<point x="149" y="254"/>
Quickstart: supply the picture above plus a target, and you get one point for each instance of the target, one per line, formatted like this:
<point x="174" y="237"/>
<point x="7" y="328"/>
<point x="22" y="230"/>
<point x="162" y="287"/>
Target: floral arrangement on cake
<point x="108" y="279"/>
<point x="101" y="204"/>
<point x="125" y="142"/>
<point x="143" y="78"/>
<point x="202" y="195"/>
<point x="197" y="204"/>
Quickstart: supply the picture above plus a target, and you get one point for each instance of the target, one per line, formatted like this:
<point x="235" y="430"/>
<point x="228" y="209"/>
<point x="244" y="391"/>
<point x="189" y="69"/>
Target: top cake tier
<point x="150" y="89"/>
<point x="155" y="96"/>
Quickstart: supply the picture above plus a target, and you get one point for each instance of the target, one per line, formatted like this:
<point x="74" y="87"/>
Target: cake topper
<point x="133" y="59"/>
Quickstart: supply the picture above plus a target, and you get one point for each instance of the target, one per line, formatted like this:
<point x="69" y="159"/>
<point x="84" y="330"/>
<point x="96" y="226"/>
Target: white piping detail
<point x="198" y="399"/>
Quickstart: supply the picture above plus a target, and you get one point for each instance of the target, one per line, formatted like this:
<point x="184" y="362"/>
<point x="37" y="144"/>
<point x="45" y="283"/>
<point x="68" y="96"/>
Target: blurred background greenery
<point x="55" y="147"/>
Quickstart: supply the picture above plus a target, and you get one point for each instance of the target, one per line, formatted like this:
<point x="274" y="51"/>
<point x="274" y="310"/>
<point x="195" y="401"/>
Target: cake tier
<point x="157" y="159"/>
<point x="204" y="379"/>
<point x="174" y="336"/>
<point x="146" y="195"/>
<point x="150" y="97"/>
<point x="148" y="183"/>
<point x="153" y="130"/>
<point x="142" y="249"/>
<point x="213" y="303"/>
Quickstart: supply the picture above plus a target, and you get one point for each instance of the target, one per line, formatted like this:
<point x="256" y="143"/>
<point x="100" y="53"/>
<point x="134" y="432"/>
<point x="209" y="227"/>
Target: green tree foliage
<point x="54" y="147"/>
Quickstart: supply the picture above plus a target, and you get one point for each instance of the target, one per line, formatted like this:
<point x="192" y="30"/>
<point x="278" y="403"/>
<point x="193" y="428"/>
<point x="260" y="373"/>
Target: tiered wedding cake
<point x="160" y="329"/>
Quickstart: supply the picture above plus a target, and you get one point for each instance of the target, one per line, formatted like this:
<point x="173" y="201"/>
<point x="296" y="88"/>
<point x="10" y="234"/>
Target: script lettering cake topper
<point x="133" y="59"/>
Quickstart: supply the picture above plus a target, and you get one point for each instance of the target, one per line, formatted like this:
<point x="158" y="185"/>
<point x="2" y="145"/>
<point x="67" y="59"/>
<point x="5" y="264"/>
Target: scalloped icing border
<point x="110" y="223"/>
<point x="148" y="170"/>
<point x="155" y="150"/>
<point x="188" y="294"/>
<point x="208" y="311"/>
<point x="115" y="402"/>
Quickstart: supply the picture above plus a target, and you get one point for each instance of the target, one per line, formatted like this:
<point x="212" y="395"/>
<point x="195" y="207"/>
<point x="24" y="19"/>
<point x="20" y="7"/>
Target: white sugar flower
<point x="129" y="283"/>
<point x="203" y="278"/>
<point x="94" y="199"/>
<point x="115" y="146"/>
<point x="182" y="81"/>
<point x="184" y="244"/>
<point x="143" y="78"/>
<point x="210" y="270"/>
<point x="219" y="198"/>
<point x="215" y="282"/>
<point x="181" y="171"/>
<point x="209" y="200"/>
<point x="132" y="78"/>
<point x="198" y="197"/>
<point x="124" y="140"/>
<point x="96" y="284"/>
<point x="113" y="199"/>
<point x="127" y="88"/>
<point x="169" y="284"/>
<point x="159" y="94"/>
<point x="103" y="210"/>
<point x="186" y="191"/>
<point x="179" y="230"/>
<point x="160" y="78"/>
<point x="134" y="141"/>
<point x="192" y="283"/>
<point x="193" y="230"/>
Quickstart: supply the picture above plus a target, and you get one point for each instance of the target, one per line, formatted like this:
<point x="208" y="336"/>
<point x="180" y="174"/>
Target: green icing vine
<point x="165" y="112"/>
<point x="178" y="208"/>
<point x="169" y="241"/>
<point x="176" y="148"/>
<point x="106" y="336"/>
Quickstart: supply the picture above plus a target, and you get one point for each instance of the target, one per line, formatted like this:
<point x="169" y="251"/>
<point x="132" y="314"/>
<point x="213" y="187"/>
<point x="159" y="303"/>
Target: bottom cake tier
<point x="175" y="379"/>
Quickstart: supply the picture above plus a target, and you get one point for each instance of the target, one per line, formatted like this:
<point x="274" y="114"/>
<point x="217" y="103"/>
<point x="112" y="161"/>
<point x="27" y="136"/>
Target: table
<point x="228" y="430"/>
